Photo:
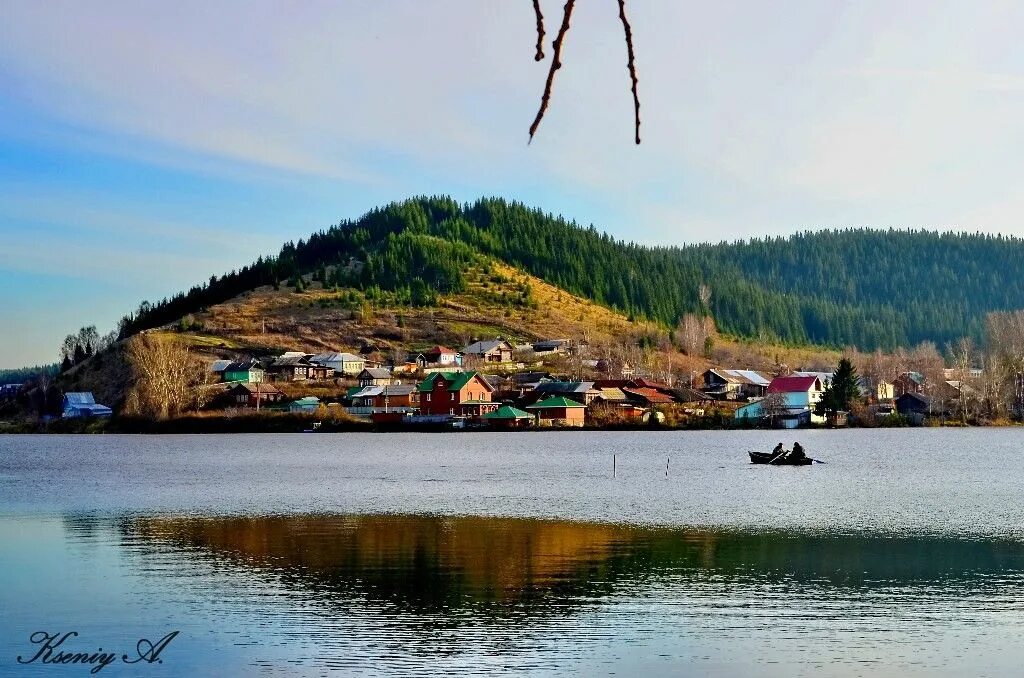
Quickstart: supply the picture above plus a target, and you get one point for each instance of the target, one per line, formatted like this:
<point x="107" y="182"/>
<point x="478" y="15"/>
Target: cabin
<point x="248" y="395"/>
<point x="83" y="404"/>
<point x="290" y="367"/>
<point x="374" y="376"/>
<point x="446" y="393"/>
<point x="646" y="397"/>
<point x="246" y="371"/>
<point x="507" y="416"/>
<point x="442" y="356"/>
<point x="495" y="351"/>
<point x="307" y="404"/>
<point x="320" y="372"/>
<point x="559" y="411"/>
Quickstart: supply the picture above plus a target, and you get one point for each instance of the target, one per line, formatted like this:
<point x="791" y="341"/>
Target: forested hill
<point x="853" y="287"/>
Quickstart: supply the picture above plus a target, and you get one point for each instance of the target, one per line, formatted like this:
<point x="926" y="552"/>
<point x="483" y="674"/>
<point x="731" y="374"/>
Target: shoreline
<point x="306" y="424"/>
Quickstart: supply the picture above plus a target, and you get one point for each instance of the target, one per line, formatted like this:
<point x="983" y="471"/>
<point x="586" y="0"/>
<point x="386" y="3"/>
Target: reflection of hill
<point x="433" y="564"/>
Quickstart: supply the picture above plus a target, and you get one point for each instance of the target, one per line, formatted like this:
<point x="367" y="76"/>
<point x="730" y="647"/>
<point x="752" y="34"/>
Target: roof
<point x="612" y="393"/>
<point x="308" y="400"/>
<point x="825" y="377"/>
<point x="565" y="387"/>
<point x="689" y="395"/>
<point x="486" y="346"/>
<point x="648" y="394"/>
<point x="251" y="388"/>
<point x="335" y="357"/>
<point x="289" y="359"/>
<point x="244" y="366"/>
<point x="508" y="412"/>
<point x="456" y="381"/>
<point x="530" y="377"/>
<point x="376" y="373"/>
<point x="793" y="384"/>
<point x="219" y="365"/>
<point x="557" y="401"/>
<point x="438" y="350"/>
<point x="79" y="398"/>
<point x="742" y="376"/>
<point x="549" y="344"/>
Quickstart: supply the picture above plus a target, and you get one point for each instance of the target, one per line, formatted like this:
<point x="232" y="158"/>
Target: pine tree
<point x="842" y="392"/>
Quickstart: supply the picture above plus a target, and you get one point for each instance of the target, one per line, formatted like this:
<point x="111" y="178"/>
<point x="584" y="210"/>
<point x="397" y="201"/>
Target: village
<point x="487" y="384"/>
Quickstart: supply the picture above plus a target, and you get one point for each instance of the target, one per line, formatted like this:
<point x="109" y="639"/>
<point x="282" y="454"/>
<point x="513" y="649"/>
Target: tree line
<point x="865" y="288"/>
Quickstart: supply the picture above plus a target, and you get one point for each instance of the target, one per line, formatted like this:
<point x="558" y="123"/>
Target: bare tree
<point x="693" y="332"/>
<point x="168" y="376"/>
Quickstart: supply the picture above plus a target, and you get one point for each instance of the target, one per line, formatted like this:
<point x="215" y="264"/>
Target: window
<point x="428" y="397"/>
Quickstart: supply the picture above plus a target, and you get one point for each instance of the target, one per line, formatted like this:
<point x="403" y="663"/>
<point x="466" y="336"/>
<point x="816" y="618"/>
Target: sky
<point x="146" y="146"/>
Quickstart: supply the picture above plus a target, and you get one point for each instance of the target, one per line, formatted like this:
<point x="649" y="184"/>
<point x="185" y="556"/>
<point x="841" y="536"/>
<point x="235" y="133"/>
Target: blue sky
<point x="145" y="146"/>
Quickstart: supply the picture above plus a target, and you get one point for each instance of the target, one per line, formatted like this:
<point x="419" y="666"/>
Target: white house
<point x="799" y="394"/>
<point x="342" y="363"/>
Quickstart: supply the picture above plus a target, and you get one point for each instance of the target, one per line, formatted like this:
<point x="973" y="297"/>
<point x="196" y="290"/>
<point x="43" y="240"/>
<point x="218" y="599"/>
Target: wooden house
<point x="291" y="367"/>
<point x="374" y="376"/>
<point x="246" y="394"/>
<point x="344" y="364"/>
<point x="246" y="371"/>
<point x="495" y="351"/>
<point x="723" y="384"/>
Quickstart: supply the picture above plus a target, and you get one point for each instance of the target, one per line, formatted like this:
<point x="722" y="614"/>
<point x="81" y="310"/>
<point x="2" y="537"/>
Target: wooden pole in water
<point x="667" y="462"/>
<point x="613" y="465"/>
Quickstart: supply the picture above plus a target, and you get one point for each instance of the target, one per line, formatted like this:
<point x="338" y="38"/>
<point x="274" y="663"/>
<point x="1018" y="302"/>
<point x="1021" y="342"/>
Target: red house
<point x="455" y="393"/>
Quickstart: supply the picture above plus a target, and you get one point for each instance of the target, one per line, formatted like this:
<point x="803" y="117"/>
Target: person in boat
<point x="778" y="450"/>
<point x="798" y="452"/>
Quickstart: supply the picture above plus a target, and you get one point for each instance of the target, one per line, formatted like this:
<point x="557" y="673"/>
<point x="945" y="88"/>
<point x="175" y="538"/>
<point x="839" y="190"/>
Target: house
<point x="614" y="398"/>
<point x="248" y="395"/>
<point x="442" y="355"/>
<point x="290" y="367"/>
<point x="217" y="367"/>
<point x="495" y="351"/>
<point x="507" y="416"/>
<point x="916" y="406"/>
<point x="580" y="391"/>
<point x="82" y="404"/>
<point x="908" y="382"/>
<point x="342" y="363"/>
<point x="445" y="393"/>
<point x="10" y="391"/>
<point x="723" y="384"/>
<point x="797" y="392"/>
<point x="319" y="372"/>
<point x="374" y="376"/>
<point x="246" y="371"/>
<point x="387" y="398"/>
<point x="825" y="377"/>
<point x="788" y="403"/>
<point x="307" y="404"/>
<point x="559" y="411"/>
<point x="549" y="346"/>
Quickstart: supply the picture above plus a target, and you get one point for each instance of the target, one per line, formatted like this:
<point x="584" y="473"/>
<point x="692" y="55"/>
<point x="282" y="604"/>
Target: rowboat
<point x="778" y="459"/>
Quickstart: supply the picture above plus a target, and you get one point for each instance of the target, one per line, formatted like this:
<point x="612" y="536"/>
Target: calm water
<point x="902" y="555"/>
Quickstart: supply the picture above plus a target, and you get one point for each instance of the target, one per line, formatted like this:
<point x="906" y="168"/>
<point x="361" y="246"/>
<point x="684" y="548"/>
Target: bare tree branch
<point x="556" y="63"/>
<point x="631" y="65"/>
<point x="539" y="56"/>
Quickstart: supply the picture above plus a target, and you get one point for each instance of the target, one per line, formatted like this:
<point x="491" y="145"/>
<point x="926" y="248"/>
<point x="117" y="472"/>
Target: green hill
<point x="859" y="287"/>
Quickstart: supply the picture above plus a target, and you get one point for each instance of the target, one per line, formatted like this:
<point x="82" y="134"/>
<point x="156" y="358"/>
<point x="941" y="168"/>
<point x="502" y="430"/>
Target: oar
<point x="780" y="455"/>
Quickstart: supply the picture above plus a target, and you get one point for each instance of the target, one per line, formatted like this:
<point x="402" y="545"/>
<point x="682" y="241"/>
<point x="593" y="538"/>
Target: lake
<point x="486" y="553"/>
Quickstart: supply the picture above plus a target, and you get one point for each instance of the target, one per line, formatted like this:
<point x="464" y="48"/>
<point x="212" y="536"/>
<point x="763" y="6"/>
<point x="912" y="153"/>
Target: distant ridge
<point x="859" y="287"/>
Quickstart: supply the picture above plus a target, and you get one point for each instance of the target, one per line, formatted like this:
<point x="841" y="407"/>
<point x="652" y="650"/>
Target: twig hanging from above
<point x="556" y="60"/>
<point x="539" y="56"/>
<point x="556" y="63"/>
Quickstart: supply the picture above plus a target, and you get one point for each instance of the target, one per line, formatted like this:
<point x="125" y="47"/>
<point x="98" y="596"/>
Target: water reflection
<point x="433" y="564"/>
